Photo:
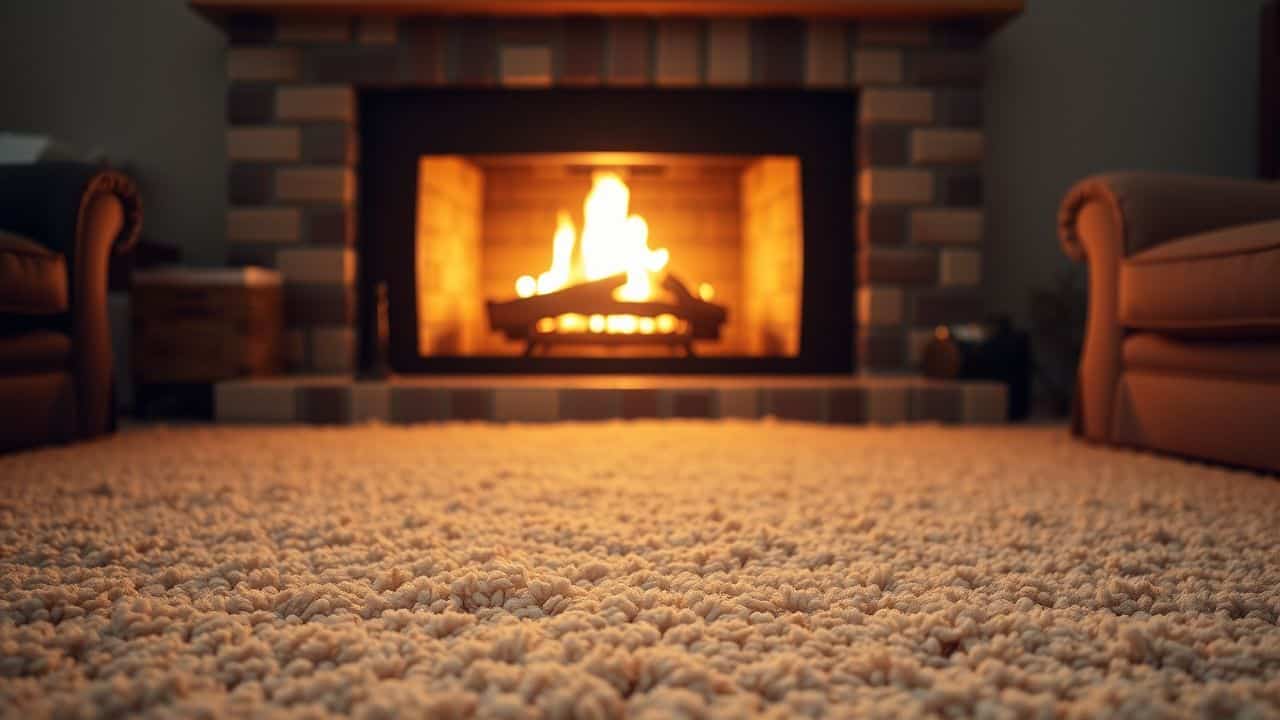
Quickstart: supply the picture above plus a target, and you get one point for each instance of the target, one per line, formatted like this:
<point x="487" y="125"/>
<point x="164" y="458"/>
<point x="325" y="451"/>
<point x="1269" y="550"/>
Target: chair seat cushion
<point x="1219" y="284"/>
<point x="33" y="279"/>
<point x="1243" y="359"/>
<point x="42" y="351"/>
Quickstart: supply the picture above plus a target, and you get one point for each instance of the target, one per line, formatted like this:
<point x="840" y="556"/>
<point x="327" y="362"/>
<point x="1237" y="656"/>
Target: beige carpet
<point x="674" y="569"/>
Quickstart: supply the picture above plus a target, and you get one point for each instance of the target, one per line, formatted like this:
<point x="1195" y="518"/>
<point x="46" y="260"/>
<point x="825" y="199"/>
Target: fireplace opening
<point x="608" y="230"/>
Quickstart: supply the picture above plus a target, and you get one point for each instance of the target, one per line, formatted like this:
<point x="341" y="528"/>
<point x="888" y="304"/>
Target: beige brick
<point x="960" y="267"/>
<point x="370" y="402"/>
<point x="879" y="306"/>
<point x="740" y="403"/>
<point x="899" y="107"/>
<point x="877" y="66"/>
<point x="306" y="31"/>
<point x="316" y="102"/>
<point x="316" y="184"/>
<point x="895" y="186"/>
<point x="277" y="64"/>
<point x="377" y="31"/>
<point x="887" y="404"/>
<point x="679" y="49"/>
<point x="728" y="53"/>
<point x="526" y="66"/>
<point x="985" y="403"/>
<point x="933" y="146"/>
<point x="826" y="60"/>
<point x="889" y="34"/>
<point x="264" y="143"/>
<point x="917" y="340"/>
<point x="946" y="226"/>
<point x="526" y="405"/>
<point x="333" y="349"/>
<point x="256" y="225"/>
<point x="317" y="266"/>
<point x="254" y="401"/>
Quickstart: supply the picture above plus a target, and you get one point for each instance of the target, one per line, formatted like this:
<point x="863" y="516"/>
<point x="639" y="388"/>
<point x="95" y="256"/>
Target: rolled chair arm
<point x="1152" y="208"/>
<point x="49" y="203"/>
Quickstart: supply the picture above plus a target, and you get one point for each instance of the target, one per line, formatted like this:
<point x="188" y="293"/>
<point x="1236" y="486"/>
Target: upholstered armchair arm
<point x="84" y="213"/>
<point x="1105" y="219"/>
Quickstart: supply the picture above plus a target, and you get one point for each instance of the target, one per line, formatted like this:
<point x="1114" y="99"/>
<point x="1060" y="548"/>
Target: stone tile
<point x="425" y="56"/>
<point x="333" y="349"/>
<point x="882" y="145"/>
<point x="590" y="404"/>
<point x="318" y="266"/>
<point x="740" y="403"/>
<point x="631" y="53"/>
<point x="946" y="226"/>
<point x="887" y="404"/>
<point x="874" y="66"/>
<point x="879" y="225"/>
<point x="471" y="405"/>
<point x="879" y="306"/>
<point x="316" y="184"/>
<point x="937" y="403"/>
<point x="281" y="144"/>
<point x="477" y="51"/>
<point x="959" y="107"/>
<point x="250" y="104"/>
<point x="805" y="404"/>
<point x="777" y="52"/>
<point x="897" y="267"/>
<point x="328" y="143"/>
<point x="324" y="404"/>
<point x="960" y="267"/>
<point x="353" y="64"/>
<point x="526" y="405"/>
<point x="946" y="307"/>
<point x="526" y="66"/>
<point x="847" y="405"/>
<point x="960" y="189"/>
<point x="377" y="31"/>
<point x="950" y="67"/>
<point x="897" y="106"/>
<point x="250" y="29"/>
<point x="895" y="186"/>
<point x="584" y="45"/>
<point x="418" y="404"/>
<point x="985" y="403"/>
<point x="639" y="403"/>
<point x="330" y="226"/>
<point x="254" y="401"/>
<point x="893" y="34"/>
<point x="729" y="52"/>
<point x="881" y="349"/>
<point x="311" y="103"/>
<point x="826" y="57"/>
<point x="937" y="146"/>
<point x="679" y="48"/>
<point x="313" y="30"/>
<point x="370" y="402"/>
<point x="307" y="305"/>
<point x="250" y="184"/>
<point x="693" y="404"/>
<point x="266" y="64"/>
<point x="264" y="225"/>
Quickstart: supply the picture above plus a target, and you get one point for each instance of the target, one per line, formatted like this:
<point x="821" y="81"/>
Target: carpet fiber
<point x="680" y="569"/>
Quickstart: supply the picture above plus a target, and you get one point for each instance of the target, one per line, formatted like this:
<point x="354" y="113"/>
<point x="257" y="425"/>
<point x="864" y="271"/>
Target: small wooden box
<point x="197" y="326"/>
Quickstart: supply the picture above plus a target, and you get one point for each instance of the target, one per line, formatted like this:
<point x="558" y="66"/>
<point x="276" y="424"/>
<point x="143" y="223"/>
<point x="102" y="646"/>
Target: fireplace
<point x="619" y="230"/>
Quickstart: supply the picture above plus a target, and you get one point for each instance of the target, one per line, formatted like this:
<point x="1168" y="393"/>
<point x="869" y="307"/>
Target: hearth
<point x="617" y="230"/>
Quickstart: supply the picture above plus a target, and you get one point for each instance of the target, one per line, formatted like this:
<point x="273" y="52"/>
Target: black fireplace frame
<point x="398" y="125"/>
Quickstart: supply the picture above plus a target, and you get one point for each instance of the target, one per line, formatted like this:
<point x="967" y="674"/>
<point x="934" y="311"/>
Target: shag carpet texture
<point x="646" y="569"/>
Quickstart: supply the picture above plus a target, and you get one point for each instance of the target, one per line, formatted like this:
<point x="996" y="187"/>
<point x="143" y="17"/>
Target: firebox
<point x="607" y="230"/>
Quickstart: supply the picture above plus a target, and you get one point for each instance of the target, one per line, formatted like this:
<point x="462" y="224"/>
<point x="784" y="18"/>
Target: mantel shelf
<point x="995" y="11"/>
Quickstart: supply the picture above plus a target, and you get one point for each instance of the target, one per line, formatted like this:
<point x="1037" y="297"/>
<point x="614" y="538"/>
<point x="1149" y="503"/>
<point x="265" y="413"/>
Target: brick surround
<point x="293" y="160"/>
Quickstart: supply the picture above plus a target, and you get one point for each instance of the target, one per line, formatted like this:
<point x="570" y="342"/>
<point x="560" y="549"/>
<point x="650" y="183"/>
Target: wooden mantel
<point x="993" y="10"/>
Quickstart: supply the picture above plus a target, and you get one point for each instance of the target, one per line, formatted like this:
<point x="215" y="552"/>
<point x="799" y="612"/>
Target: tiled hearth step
<point x="845" y="400"/>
